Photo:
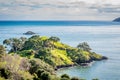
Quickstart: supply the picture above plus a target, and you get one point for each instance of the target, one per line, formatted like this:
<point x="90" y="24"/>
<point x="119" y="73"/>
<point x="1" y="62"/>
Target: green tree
<point x="39" y="72"/>
<point x="34" y="66"/>
<point x="35" y="37"/>
<point x="23" y="39"/>
<point x="75" y="78"/>
<point x="45" y="76"/>
<point x="4" y="73"/>
<point x="55" y="39"/>
<point x="34" y="43"/>
<point x="65" y="76"/>
<point x="6" y="41"/>
<point x="15" y="43"/>
<point x="84" y="46"/>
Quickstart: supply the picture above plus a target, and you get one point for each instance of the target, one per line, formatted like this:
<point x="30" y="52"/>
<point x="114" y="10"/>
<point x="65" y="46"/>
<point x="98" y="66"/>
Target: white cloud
<point x="98" y="1"/>
<point x="60" y="9"/>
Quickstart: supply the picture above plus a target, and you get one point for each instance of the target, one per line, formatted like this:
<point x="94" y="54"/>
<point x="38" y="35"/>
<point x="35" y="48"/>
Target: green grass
<point x="43" y="38"/>
<point x="86" y="55"/>
<point x="60" y="57"/>
<point x="63" y="46"/>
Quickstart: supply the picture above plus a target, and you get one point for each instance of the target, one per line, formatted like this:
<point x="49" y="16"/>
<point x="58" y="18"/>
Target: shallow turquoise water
<point x="102" y="39"/>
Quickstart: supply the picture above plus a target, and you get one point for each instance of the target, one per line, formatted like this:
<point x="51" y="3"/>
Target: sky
<point x="59" y="9"/>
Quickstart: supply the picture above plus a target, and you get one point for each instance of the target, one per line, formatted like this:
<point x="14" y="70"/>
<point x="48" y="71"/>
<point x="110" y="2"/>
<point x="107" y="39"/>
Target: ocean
<point x="102" y="36"/>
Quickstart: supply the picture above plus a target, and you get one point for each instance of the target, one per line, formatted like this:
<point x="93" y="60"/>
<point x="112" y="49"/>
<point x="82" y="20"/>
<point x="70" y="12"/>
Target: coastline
<point x="85" y="64"/>
<point x="99" y="47"/>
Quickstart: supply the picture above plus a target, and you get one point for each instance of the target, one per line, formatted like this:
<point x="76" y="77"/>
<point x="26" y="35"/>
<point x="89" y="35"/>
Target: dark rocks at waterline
<point x="84" y="64"/>
<point x="104" y="58"/>
<point x="64" y="66"/>
<point x="29" y="33"/>
<point x="87" y="63"/>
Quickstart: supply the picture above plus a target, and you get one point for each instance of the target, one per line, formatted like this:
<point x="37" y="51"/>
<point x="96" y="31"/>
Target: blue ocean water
<point x="59" y="23"/>
<point x="103" y="37"/>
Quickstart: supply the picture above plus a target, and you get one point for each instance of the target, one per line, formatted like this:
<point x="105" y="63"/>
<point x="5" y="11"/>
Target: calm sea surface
<point x="103" y="37"/>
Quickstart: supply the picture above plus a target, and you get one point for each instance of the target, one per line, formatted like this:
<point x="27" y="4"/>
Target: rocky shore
<point x="87" y="63"/>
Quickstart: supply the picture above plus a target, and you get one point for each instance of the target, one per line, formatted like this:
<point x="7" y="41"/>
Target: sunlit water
<point x="104" y="40"/>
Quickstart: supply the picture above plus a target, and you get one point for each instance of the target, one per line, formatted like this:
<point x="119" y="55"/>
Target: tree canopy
<point x="15" y="43"/>
<point x="84" y="46"/>
<point x="53" y="38"/>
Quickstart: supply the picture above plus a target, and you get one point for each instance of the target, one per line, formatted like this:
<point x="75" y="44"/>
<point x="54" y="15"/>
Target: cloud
<point x="58" y="10"/>
<point x="107" y="8"/>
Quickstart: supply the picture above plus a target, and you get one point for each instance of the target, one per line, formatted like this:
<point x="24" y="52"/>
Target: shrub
<point x="65" y="76"/>
<point x="5" y="73"/>
<point x="95" y="79"/>
<point x="39" y="72"/>
<point x="2" y="49"/>
<point x="64" y="79"/>
<point x="45" y="76"/>
<point x="75" y="78"/>
<point x="1" y="78"/>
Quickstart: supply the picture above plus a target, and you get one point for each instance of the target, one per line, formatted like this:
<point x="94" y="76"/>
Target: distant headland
<point x="117" y="19"/>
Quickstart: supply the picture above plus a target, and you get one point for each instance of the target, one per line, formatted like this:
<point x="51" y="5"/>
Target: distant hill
<point x="117" y="19"/>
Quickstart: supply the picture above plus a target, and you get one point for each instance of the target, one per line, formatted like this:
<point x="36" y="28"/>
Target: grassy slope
<point x="60" y="57"/>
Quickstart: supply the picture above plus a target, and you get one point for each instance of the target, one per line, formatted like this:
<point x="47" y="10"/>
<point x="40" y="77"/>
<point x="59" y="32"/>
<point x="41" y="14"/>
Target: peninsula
<point x="40" y="56"/>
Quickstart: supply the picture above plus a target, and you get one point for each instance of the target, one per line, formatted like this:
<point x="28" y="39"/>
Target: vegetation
<point x="84" y="46"/>
<point x="14" y="43"/>
<point x="51" y="50"/>
<point x="14" y="67"/>
<point x="75" y="78"/>
<point x="2" y="49"/>
<point x="37" y="57"/>
<point x="65" y="77"/>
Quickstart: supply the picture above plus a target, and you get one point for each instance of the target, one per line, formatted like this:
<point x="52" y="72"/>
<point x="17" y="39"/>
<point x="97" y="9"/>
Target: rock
<point x="104" y="58"/>
<point x="117" y="20"/>
<point x="64" y="66"/>
<point x="29" y="33"/>
<point x="84" y="64"/>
